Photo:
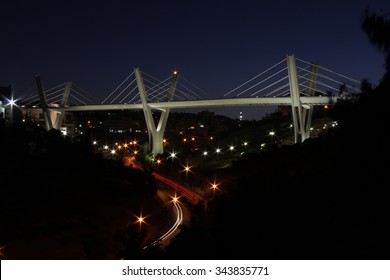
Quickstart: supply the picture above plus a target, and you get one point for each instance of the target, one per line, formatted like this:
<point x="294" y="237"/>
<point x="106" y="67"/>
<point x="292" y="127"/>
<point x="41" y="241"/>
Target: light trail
<point x="178" y="222"/>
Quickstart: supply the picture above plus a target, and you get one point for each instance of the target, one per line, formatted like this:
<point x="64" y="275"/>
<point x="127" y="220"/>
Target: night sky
<point x="217" y="45"/>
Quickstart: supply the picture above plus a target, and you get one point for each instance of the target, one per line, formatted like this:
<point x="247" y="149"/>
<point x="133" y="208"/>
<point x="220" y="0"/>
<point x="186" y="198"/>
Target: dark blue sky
<point x="217" y="45"/>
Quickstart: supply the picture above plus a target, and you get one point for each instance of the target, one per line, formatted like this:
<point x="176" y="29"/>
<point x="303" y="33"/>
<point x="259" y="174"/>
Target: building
<point x="5" y="106"/>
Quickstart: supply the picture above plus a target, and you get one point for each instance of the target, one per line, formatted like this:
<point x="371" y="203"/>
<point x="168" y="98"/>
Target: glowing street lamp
<point x="173" y="155"/>
<point x="214" y="186"/>
<point x="11" y="103"/>
<point x="140" y="220"/>
<point x="187" y="169"/>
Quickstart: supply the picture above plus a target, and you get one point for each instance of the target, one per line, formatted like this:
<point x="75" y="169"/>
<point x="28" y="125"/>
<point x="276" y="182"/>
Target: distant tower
<point x="241" y="116"/>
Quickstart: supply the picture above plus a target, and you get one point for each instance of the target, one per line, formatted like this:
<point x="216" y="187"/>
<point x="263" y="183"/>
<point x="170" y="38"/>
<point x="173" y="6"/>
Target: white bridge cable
<point x="184" y="95"/>
<point x="186" y="92"/>
<point x="284" y="93"/>
<point x="54" y="94"/>
<point x="79" y="100"/>
<point x="73" y="96"/>
<point x="122" y="91"/>
<point x="156" y="80"/>
<point x="262" y="73"/>
<point x="51" y="89"/>
<point x="128" y="77"/>
<point x="322" y="76"/>
<point x="93" y="100"/>
<point x="326" y="86"/>
<point x="333" y="72"/>
<point x="355" y="89"/>
<point x="274" y="92"/>
<point x="304" y="86"/>
<point x="316" y="90"/>
<point x="156" y="90"/>
<point x="181" y="77"/>
<point x="262" y="81"/>
<point x="50" y="94"/>
<point x="129" y="94"/>
<point x="117" y="95"/>
<point x="272" y="85"/>
<point x="161" y="93"/>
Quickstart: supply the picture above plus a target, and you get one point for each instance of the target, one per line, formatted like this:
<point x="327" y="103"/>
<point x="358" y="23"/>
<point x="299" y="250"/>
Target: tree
<point x="377" y="28"/>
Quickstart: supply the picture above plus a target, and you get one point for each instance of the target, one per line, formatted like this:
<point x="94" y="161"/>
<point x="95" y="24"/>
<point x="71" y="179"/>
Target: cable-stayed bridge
<point x="290" y="82"/>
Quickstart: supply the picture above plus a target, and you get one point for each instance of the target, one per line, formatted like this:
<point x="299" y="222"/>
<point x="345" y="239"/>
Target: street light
<point x="11" y="103"/>
<point x="140" y="220"/>
<point x="214" y="186"/>
<point x="173" y="156"/>
<point x="187" y="169"/>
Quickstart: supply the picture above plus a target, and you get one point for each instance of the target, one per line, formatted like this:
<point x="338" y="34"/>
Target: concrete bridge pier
<point x="156" y="134"/>
<point x="53" y="118"/>
<point x="301" y="113"/>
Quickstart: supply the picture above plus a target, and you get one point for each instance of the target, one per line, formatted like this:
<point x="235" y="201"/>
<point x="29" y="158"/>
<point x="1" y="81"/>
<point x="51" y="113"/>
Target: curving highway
<point x="166" y="237"/>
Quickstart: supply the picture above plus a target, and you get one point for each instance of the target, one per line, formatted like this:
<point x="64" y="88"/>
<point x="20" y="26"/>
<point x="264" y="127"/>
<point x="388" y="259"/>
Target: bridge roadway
<point x="222" y="102"/>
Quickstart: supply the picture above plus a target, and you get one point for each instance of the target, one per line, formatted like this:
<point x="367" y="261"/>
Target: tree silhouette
<point x="377" y="28"/>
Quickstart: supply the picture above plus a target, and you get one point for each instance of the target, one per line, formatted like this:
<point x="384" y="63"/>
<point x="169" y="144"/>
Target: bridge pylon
<point x="301" y="113"/>
<point x="43" y="101"/>
<point x="64" y="102"/>
<point x="53" y="118"/>
<point x="156" y="134"/>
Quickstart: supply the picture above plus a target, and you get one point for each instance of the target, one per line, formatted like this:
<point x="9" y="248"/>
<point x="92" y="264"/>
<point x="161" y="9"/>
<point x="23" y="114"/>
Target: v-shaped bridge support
<point x="53" y="119"/>
<point x="155" y="134"/>
<point x="301" y="113"/>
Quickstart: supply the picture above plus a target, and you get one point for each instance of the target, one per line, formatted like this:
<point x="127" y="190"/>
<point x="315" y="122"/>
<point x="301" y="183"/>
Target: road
<point x="177" y="213"/>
